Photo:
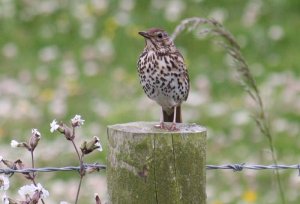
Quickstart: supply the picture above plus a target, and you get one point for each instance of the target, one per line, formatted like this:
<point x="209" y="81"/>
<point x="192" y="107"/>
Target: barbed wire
<point x="98" y="167"/>
<point x="243" y="166"/>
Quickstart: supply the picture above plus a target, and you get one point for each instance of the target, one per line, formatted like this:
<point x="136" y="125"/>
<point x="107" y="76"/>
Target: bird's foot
<point x="173" y="127"/>
<point x="164" y="127"/>
<point x="160" y="126"/>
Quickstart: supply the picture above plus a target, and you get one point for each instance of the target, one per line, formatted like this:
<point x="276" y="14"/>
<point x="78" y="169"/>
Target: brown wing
<point x="179" y="64"/>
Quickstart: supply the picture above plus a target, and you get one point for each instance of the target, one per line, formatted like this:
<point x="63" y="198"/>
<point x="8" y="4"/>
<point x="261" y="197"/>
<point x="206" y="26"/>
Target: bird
<point x="163" y="75"/>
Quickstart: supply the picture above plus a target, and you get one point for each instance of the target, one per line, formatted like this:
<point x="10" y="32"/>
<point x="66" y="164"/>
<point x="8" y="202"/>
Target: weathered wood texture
<point x="150" y="165"/>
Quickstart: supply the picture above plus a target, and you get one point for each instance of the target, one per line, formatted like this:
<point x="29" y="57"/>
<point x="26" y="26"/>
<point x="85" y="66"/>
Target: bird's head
<point x="157" y="40"/>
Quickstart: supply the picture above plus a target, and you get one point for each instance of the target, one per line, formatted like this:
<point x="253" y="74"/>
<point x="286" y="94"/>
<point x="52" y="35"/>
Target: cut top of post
<point x="149" y="127"/>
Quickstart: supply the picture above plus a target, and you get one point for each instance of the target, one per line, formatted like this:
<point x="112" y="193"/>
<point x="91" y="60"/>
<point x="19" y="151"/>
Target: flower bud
<point x="9" y="164"/>
<point x="77" y="121"/>
<point x="20" y="166"/>
<point x="68" y="133"/>
<point x="34" y="139"/>
<point x="92" y="169"/>
<point x="36" y="196"/>
<point x="88" y="147"/>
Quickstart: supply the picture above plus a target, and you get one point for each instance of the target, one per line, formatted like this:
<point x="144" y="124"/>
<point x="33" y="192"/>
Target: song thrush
<point x="163" y="75"/>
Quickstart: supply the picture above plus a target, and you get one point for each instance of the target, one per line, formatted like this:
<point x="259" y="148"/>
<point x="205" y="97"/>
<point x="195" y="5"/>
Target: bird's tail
<point x="168" y="116"/>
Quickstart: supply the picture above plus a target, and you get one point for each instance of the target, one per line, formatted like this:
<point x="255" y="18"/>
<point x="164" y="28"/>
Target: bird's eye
<point x="159" y="35"/>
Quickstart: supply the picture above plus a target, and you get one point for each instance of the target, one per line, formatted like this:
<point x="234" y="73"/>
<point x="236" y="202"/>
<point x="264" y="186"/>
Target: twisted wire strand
<point x="234" y="167"/>
<point x="53" y="169"/>
<point x="240" y="167"/>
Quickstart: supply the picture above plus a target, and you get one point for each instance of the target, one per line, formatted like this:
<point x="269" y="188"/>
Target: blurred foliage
<point x="59" y="58"/>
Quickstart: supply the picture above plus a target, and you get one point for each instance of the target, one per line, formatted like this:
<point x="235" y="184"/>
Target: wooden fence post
<point x="150" y="165"/>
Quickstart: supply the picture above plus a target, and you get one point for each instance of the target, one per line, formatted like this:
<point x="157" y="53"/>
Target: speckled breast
<point x="164" y="78"/>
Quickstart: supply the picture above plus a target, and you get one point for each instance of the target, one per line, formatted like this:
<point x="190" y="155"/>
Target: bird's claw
<point x="164" y="127"/>
<point x="160" y="126"/>
<point x="173" y="127"/>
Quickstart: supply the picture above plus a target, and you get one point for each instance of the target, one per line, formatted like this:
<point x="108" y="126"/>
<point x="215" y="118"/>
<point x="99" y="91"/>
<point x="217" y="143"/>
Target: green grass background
<point x="59" y="58"/>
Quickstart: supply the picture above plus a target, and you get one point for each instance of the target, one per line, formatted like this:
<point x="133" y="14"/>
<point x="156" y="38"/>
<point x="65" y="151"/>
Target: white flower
<point x="35" y="132"/>
<point x="53" y="126"/>
<point x="29" y="190"/>
<point x="4" y="182"/>
<point x="98" y="144"/>
<point x="5" y="199"/>
<point x="40" y="188"/>
<point x="14" y="143"/>
<point x="77" y="121"/>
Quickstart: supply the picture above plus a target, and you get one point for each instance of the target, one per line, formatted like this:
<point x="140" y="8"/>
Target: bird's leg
<point x="173" y="126"/>
<point x="161" y="121"/>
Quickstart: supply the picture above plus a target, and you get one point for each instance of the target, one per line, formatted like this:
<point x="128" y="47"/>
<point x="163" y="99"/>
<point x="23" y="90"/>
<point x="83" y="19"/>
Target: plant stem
<point x="78" y="190"/>
<point x="81" y="171"/>
<point x="77" y="152"/>
<point x="33" y="174"/>
<point x="32" y="164"/>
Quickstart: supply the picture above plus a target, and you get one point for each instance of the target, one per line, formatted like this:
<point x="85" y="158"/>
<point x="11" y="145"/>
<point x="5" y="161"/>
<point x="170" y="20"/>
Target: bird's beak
<point x="144" y="34"/>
